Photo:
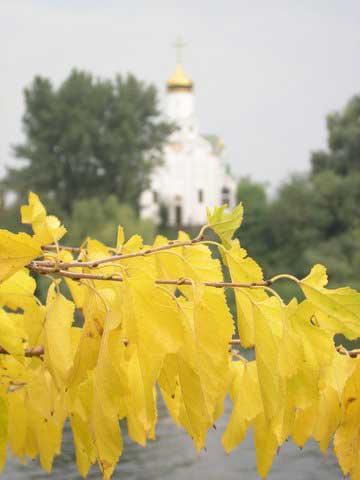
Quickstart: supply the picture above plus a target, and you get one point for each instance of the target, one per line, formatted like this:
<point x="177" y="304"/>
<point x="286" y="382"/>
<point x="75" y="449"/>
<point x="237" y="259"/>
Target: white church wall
<point x="193" y="175"/>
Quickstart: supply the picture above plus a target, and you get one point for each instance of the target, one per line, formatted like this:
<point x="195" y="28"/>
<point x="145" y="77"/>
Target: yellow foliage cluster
<point x="155" y="320"/>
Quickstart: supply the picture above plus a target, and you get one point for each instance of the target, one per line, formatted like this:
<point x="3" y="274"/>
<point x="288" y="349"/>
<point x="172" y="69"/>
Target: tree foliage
<point x="155" y="318"/>
<point x="84" y="138"/>
<point x="94" y="217"/>
<point x="314" y="217"/>
<point x="343" y="155"/>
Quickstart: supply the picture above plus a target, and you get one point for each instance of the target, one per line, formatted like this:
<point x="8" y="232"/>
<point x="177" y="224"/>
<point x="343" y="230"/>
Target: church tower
<point x="194" y="174"/>
<point x="180" y="101"/>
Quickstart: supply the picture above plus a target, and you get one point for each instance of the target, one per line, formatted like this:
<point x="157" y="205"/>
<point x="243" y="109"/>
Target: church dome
<point x="179" y="81"/>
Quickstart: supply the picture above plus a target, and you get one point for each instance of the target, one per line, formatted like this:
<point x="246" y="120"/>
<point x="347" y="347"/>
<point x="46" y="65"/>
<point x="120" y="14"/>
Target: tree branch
<point x="113" y="258"/>
<point x="39" y="350"/>
<point x="55" y="248"/>
<point x="33" y="266"/>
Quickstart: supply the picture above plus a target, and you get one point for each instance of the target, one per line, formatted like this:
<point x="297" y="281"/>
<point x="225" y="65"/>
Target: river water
<point x="172" y="456"/>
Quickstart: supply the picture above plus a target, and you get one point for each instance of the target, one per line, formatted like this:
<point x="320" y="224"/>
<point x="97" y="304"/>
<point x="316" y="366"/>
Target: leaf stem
<point x="284" y="276"/>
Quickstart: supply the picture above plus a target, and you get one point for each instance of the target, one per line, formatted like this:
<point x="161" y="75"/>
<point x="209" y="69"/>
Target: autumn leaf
<point x="16" y="251"/>
<point x="225" y="224"/>
<point x="342" y="305"/>
<point x="47" y="228"/>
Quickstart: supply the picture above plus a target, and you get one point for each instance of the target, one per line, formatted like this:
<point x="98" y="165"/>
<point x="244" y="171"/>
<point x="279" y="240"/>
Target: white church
<point x="194" y="174"/>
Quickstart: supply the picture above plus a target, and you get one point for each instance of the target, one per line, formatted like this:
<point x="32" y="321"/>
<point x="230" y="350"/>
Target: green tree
<point x="343" y="154"/>
<point x="296" y="224"/>
<point x="255" y="233"/>
<point x="88" y="137"/>
<point x="317" y="220"/>
<point x="95" y="218"/>
<point x="337" y="201"/>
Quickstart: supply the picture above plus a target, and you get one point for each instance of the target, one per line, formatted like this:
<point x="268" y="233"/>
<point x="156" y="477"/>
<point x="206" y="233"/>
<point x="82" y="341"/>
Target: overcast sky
<point x="266" y="72"/>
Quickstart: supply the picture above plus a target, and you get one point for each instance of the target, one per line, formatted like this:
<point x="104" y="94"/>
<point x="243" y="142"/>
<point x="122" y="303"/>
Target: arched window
<point x="225" y="196"/>
<point x="200" y="195"/>
<point x="178" y="215"/>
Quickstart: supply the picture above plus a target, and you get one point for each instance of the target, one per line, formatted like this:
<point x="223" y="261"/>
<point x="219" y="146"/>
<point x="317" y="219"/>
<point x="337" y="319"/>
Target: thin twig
<point x="351" y="353"/>
<point x="95" y="263"/>
<point x="39" y="350"/>
<point x="53" y="248"/>
<point x="75" y="275"/>
<point x="118" y="278"/>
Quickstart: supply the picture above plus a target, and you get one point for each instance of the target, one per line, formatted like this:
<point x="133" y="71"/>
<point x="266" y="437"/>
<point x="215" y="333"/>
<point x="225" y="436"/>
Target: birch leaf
<point x="342" y="304"/>
<point x="58" y="343"/>
<point x="16" y="251"/>
<point x="47" y="228"/>
<point x="244" y="269"/>
<point x="225" y="224"/>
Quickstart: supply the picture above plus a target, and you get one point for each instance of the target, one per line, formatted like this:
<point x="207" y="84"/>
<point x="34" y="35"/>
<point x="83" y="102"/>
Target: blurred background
<point x="143" y="113"/>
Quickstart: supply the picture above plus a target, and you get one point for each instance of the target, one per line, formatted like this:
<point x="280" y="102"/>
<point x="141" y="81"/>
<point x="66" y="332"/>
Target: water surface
<point x="173" y="456"/>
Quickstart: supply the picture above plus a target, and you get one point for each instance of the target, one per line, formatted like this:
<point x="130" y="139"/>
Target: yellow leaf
<point x="58" y="344"/>
<point x="120" y="238"/>
<point x="268" y="331"/>
<point x="80" y="398"/>
<point x="195" y="262"/>
<point x="110" y="372"/>
<point x="84" y="449"/>
<point x="312" y="350"/>
<point x="46" y="416"/>
<point x="244" y="269"/>
<point x="317" y="277"/>
<point x="3" y="431"/>
<point x="134" y="244"/>
<point x="201" y="364"/>
<point x="87" y="351"/>
<point x="342" y="304"/>
<point x="16" y="251"/>
<point x="17" y="423"/>
<point x="107" y="435"/>
<point x="156" y="331"/>
<point x="225" y="224"/>
<point x="328" y="417"/>
<point x="247" y="404"/>
<point x="304" y="423"/>
<point x="78" y="290"/>
<point x="11" y="336"/>
<point x="47" y="229"/>
<point x="34" y="320"/>
<point x="18" y="290"/>
<point x="265" y="444"/>
<point x="338" y="372"/>
<point x="347" y="436"/>
<point x="140" y="402"/>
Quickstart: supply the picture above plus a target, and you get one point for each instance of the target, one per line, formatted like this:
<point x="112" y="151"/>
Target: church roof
<point x="217" y="144"/>
<point x="179" y="81"/>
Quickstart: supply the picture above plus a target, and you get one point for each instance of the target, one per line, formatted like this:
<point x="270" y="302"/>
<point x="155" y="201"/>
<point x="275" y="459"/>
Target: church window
<point x="225" y="196"/>
<point x="155" y="196"/>
<point x="178" y="215"/>
<point x="200" y="195"/>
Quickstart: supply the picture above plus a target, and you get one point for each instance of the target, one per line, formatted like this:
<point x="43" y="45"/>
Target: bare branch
<point x="113" y="258"/>
<point x="118" y="278"/>
<point x="55" y="248"/>
<point x="37" y="351"/>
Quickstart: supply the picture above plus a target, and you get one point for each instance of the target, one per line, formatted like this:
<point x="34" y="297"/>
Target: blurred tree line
<point x="315" y="217"/>
<point x="90" y="146"/>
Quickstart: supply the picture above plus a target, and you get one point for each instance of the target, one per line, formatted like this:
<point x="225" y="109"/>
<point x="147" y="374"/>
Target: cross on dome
<point x="179" y="81"/>
<point x="179" y="48"/>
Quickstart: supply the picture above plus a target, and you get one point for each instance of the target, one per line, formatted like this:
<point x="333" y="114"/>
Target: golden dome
<point x="179" y="81"/>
